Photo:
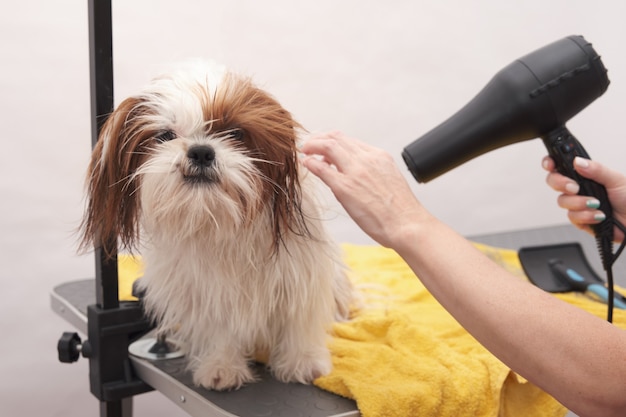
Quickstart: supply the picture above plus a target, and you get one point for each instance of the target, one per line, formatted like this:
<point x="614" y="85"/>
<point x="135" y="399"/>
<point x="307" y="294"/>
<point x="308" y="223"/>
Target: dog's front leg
<point x="224" y="369"/>
<point x="301" y="355"/>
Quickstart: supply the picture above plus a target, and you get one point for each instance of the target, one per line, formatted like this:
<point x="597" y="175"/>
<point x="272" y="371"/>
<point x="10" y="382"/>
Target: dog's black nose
<point x="201" y="155"/>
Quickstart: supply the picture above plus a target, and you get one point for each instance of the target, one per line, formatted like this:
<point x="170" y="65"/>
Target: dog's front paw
<point x="220" y="377"/>
<point x="303" y="369"/>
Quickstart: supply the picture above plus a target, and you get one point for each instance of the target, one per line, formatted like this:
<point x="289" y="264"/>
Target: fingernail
<point x="572" y="187"/>
<point x="544" y="164"/>
<point x="581" y="162"/>
<point x="593" y="203"/>
<point x="599" y="217"/>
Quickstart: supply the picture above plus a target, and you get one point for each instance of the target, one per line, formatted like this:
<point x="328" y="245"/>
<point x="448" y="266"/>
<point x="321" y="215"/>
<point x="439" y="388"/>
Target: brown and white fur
<point x="200" y="173"/>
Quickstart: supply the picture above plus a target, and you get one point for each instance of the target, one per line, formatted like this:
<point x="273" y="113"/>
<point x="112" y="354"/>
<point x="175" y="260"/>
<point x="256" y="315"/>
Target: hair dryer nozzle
<point x="527" y="99"/>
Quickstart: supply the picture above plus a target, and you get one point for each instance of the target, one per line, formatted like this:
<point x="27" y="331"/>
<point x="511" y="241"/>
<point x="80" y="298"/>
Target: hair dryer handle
<point x="563" y="147"/>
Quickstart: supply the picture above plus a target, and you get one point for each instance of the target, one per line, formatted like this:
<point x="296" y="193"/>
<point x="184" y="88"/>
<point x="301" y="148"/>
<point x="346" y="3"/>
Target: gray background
<point x="385" y="73"/>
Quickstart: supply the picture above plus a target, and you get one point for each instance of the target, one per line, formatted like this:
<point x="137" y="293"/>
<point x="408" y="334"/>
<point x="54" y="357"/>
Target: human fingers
<point x="598" y="172"/>
<point x="557" y="181"/>
<point x="322" y="169"/>
<point x="581" y="210"/>
<point x="334" y="158"/>
<point x="615" y="184"/>
<point x="561" y="183"/>
<point x="577" y="202"/>
<point x="584" y="218"/>
<point x="335" y="148"/>
<point x="548" y="164"/>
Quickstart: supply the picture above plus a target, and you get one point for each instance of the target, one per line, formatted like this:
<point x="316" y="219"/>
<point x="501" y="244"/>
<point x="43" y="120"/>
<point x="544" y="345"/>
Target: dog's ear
<point x="112" y="211"/>
<point x="282" y="148"/>
<point x="274" y="135"/>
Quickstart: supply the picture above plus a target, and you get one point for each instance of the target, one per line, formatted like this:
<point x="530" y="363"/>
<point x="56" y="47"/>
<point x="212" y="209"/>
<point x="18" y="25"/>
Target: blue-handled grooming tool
<point x="582" y="284"/>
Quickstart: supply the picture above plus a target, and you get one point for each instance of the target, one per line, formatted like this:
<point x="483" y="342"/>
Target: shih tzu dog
<point x="200" y="173"/>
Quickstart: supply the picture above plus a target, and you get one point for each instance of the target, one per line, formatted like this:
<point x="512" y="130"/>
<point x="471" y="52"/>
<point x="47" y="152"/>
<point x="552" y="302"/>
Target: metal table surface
<point x="269" y="397"/>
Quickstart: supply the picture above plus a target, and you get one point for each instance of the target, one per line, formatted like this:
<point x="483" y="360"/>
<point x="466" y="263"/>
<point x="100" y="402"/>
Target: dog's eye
<point x="236" y="134"/>
<point x="165" y="136"/>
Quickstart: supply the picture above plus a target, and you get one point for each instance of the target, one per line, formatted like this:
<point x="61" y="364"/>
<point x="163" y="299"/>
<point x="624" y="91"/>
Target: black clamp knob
<point x="70" y="347"/>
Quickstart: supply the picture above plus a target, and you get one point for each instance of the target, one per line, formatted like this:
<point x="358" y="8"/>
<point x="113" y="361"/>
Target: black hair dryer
<point x="530" y="98"/>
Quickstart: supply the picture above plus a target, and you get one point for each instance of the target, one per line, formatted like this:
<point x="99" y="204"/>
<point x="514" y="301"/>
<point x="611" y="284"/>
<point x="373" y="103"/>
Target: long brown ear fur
<point x="113" y="205"/>
<point x="271" y="133"/>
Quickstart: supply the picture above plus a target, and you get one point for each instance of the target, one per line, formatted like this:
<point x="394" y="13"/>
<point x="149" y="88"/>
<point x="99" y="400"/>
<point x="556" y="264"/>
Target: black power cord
<point x="604" y="239"/>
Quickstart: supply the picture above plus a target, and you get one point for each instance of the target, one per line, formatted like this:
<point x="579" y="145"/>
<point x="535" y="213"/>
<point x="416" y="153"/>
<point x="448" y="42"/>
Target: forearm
<point x="544" y="339"/>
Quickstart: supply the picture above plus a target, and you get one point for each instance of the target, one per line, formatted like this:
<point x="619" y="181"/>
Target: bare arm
<point x="578" y="358"/>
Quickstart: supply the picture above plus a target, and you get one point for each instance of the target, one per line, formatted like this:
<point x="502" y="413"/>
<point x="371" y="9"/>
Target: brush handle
<point x="603" y="293"/>
<point x="582" y="284"/>
<point x="579" y="283"/>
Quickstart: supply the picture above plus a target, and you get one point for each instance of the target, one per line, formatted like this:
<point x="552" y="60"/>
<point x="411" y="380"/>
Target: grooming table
<point x="267" y="397"/>
<point x="270" y="397"/>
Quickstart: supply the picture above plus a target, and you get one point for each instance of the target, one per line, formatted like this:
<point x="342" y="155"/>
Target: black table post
<point x="111" y="325"/>
<point x="101" y="71"/>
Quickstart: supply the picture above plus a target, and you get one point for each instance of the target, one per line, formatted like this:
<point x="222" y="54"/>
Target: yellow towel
<point x="404" y="355"/>
<point x="129" y="268"/>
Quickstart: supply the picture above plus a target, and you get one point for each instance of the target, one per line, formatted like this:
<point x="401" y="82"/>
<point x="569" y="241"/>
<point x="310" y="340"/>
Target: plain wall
<point x="385" y="72"/>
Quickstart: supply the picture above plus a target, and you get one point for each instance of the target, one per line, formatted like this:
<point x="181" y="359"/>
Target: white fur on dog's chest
<point x="243" y="294"/>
